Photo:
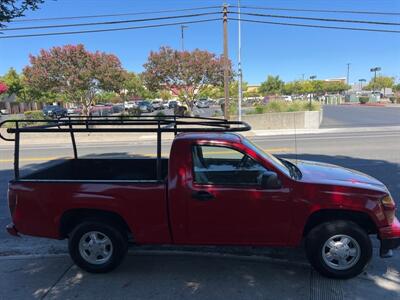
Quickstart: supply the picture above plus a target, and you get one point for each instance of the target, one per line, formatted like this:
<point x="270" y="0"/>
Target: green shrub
<point x="363" y="100"/>
<point x="34" y="115"/>
<point x="280" y="106"/>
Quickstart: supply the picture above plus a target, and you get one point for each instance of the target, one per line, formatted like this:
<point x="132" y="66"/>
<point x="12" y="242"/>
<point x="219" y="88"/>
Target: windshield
<point x="275" y="161"/>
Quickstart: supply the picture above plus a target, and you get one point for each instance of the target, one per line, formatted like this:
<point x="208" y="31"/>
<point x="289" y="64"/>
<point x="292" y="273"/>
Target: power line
<point x="107" y="30"/>
<point x="317" y="26"/>
<point x="110" y="22"/>
<point x="319" y="19"/>
<point x="114" y="15"/>
<point x="324" y="10"/>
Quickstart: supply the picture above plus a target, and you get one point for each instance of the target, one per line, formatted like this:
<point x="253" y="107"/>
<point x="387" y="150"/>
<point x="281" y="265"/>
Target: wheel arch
<point x="71" y="218"/>
<point x="326" y="215"/>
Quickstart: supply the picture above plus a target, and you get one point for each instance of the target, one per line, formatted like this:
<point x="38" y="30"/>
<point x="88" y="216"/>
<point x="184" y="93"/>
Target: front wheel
<point x="339" y="249"/>
<point x="97" y="247"/>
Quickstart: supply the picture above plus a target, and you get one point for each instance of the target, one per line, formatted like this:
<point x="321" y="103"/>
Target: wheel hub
<point x="341" y="252"/>
<point x="95" y="247"/>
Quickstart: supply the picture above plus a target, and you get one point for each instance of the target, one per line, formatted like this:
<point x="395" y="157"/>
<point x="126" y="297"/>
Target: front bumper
<point x="11" y="229"/>
<point x="390" y="238"/>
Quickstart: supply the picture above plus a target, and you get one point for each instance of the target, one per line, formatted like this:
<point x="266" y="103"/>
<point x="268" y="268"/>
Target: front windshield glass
<point x="275" y="161"/>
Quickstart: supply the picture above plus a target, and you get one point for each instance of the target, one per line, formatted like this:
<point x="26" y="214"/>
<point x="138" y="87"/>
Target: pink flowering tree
<point x="3" y="88"/>
<point x="188" y="72"/>
<point x="75" y="73"/>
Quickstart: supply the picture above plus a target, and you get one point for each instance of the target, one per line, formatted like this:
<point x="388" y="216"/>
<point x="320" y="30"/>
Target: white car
<point x="130" y="104"/>
<point x="287" y="98"/>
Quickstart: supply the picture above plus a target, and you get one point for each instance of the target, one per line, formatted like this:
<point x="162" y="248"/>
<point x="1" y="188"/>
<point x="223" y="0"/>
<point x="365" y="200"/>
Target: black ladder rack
<point x="157" y="124"/>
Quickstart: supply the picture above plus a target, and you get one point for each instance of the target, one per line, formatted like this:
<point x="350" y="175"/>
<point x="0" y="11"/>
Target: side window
<point x="224" y="166"/>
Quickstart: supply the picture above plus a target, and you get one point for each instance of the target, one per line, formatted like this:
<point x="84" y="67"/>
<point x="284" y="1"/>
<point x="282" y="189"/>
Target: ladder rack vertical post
<point x="73" y="139"/>
<point x="16" y="152"/>
<point x="159" y="166"/>
<point x="175" y="127"/>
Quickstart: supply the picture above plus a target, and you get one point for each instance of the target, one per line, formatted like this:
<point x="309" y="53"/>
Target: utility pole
<point x="183" y="27"/>
<point x="226" y="62"/>
<point x="312" y="77"/>
<point x="348" y="74"/>
<point x="240" y="64"/>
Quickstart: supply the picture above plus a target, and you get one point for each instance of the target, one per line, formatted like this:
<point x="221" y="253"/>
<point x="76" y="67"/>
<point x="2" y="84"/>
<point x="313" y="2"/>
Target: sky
<point x="267" y="49"/>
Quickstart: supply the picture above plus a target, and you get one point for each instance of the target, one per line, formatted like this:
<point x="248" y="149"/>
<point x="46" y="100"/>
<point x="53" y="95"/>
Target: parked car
<point x="130" y="105"/>
<point x="101" y="110"/>
<point x="173" y="103"/>
<point x="157" y="104"/>
<point x="74" y="110"/>
<point x="145" y="106"/>
<point x="202" y="103"/>
<point x="287" y="98"/>
<point x="54" y="111"/>
<point x="117" y="108"/>
<point x="214" y="189"/>
<point x="165" y="104"/>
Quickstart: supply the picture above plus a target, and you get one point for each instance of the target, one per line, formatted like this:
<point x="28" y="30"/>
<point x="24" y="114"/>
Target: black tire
<point x="113" y="233"/>
<point x="320" y="234"/>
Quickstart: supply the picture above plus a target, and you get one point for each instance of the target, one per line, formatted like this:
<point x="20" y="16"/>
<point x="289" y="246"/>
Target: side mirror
<point x="270" y="181"/>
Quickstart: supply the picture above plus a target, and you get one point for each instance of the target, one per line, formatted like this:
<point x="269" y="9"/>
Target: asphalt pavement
<point x="360" y="116"/>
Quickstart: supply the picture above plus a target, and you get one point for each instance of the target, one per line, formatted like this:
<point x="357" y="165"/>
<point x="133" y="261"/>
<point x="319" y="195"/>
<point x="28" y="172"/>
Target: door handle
<point x="202" y="196"/>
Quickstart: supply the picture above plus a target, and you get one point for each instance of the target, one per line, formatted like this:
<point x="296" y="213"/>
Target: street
<point x="360" y="116"/>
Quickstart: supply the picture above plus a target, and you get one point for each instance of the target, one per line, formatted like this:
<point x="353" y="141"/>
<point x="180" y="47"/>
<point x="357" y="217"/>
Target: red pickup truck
<point x="216" y="188"/>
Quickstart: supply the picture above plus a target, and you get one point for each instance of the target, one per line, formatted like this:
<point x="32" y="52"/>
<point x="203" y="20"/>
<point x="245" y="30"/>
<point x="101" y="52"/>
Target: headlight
<point x="388" y="201"/>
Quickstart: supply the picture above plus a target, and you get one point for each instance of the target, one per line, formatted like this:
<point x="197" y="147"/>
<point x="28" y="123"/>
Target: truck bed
<point x="141" y="169"/>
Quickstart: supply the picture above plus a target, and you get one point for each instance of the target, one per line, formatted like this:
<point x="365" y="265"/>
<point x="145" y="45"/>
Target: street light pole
<point x="183" y="27"/>
<point x="239" y="64"/>
<point x="375" y="69"/>
<point x="348" y="74"/>
<point x="361" y="82"/>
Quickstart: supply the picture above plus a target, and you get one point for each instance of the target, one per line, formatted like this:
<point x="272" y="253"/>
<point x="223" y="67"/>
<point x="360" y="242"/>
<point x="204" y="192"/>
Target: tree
<point x="396" y="88"/>
<point x="381" y="82"/>
<point x="165" y="95"/>
<point x="74" y="73"/>
<point x="335" y="87"/>
<point x="189" y="72"/>
<point x="14" y="82"/>
<point x="3" y="88"/>
<point x="272" y="86"/>
<point x="133" y="87"/>
<point x="10" y="9"/>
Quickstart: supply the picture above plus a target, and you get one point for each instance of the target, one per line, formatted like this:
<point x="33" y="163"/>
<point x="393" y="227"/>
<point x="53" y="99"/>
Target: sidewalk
<point x="152" y="275"/>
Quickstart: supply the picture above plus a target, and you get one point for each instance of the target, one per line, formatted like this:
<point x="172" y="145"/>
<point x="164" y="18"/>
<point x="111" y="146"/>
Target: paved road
<point x="360" y="116"/>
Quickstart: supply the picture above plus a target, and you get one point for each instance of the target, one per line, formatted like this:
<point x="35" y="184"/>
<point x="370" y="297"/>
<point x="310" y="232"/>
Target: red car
<point x="216" y="188"/>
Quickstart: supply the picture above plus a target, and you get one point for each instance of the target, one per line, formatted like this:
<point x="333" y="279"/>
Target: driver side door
<point x="227" y="204"/>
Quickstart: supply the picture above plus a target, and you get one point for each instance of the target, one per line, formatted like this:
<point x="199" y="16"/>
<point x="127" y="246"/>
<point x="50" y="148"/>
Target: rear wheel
<point x="339" y="249"/>
<point x="97" y="247"/>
